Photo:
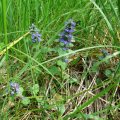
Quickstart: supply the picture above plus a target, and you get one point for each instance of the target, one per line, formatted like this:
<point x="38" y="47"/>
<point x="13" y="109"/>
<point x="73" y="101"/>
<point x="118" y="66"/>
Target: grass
<point x="87" y="87"/>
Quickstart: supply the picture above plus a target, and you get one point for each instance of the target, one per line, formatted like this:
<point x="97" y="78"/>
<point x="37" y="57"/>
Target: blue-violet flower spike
<point x="66" y="36"/>
<point x="35" y="36"/>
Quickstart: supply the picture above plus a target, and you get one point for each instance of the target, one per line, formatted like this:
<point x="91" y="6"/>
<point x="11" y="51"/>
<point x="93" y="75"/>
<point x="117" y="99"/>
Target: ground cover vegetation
<point x="59" y="60"/>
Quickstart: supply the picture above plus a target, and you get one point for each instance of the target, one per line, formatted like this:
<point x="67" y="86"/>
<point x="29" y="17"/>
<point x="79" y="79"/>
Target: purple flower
<point x="68" y="30"/>
<point x="69" y="36"/>
<point x="65" y="48"/>
<point x="104" y="54"/>
<point x="66" y="36"/>
<point x="64" y="41"/>
<point x="33" y="28"/>
<point x="66" y="60"/>
<point x="35" y="36"/>
<point x="15" y="88"/>
<point x="73" y="24"/>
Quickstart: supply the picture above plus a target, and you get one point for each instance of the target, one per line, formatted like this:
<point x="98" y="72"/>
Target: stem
<point x="5" y="32"/>
<point x="4" y="22"/>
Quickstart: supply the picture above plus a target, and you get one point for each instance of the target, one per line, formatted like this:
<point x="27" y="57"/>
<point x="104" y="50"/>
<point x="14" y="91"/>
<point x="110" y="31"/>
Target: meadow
<point x="60" y="60"/>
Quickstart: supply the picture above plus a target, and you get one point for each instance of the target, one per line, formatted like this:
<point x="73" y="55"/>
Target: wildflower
<point x="35" y="36"/>
<point x="65" y="48"/>
<point x="66" y="36"/>
<point x="15" y="88"/>
<point x="104" y="54"/>
<point x="66" y="60"/>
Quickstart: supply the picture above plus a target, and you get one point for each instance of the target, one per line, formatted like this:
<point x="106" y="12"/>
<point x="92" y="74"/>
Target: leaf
<point x="108" y="73"/>
<point x="98" y="81"/>
<point x="20" y="92"/>
<point x="61" y="108"/>
<point x="54" y="70"/>
<point x="73" y="80"/>
<point x="35" y="89"/>
<point x="62" y="64"/>
<point x="61" y="51"/>
<point x="45" y="49"/>
<point x="58" y="98"/>
<point x="25" y="101"/>
<point x="70" y="45"/>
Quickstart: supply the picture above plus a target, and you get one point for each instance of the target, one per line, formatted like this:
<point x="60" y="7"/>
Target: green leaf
<point x="108" y="73"/>
<point x="20" y="92"/>
<point x="25" y="101"/>
<point x="61" y="51"/>
<point x="54" y="70"/>
<point x="70" y="45"/>
<point x="62" y="64"/>
<point x="73" y="80"/>
<point x="98" y="81"/>
<point x="35" y="89"/>
<point x="61" y="44"/>
<point x="61" y="108"/>
<point x="45" y="49"/>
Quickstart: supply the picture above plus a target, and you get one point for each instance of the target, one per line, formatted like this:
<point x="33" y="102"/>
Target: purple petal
<point x="12" y="92"/>
<point x="69" y="37"/>
<point x="37" y="34"/>
<point x="73" y="24"/>
<point x="66" y="60"/>
<point x="62" y="34"/>
<point x="65" y="48"/>
<point x="33" y="36"/>
<point x="69" y="30"/>
<point x="39" y="39"/>
<point x="14" y="87"/>
<point x="64" y="41"/>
